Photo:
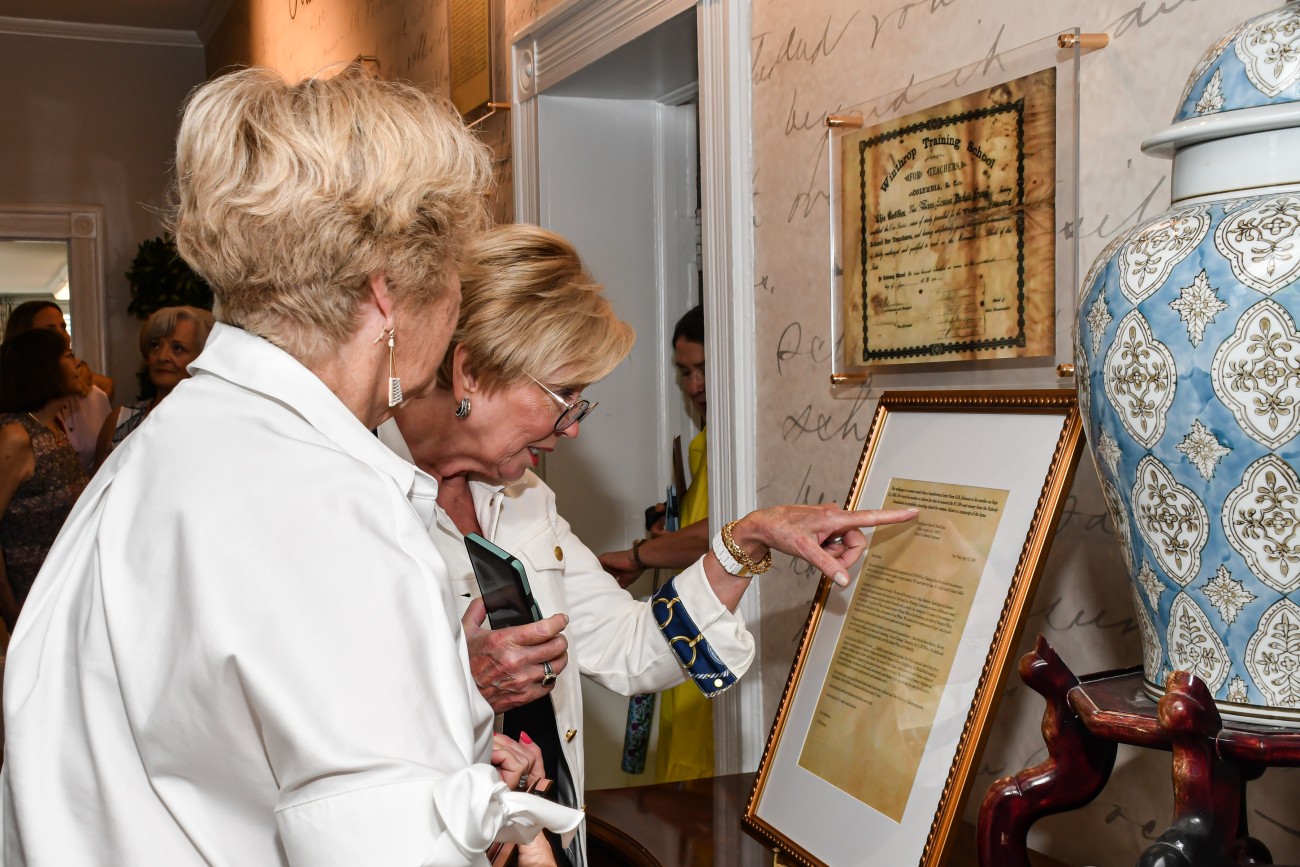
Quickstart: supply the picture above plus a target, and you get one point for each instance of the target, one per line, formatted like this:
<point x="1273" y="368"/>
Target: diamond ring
<point x="548" y="674"/>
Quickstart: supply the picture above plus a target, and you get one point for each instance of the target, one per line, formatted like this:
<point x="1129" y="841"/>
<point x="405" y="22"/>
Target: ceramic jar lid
<point x="1247" y="82"/>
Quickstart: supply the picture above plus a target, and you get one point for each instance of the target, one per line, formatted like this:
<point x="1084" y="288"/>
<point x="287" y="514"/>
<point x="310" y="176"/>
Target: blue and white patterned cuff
<point x="693" y="651"/>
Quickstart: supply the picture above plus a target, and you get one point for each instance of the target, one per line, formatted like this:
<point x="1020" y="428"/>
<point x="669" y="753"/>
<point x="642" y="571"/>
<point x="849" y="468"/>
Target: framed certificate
<point x="896" y="676"/>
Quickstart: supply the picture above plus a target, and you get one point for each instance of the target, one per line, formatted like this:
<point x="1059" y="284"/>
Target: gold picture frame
<point x="896" y="677"/>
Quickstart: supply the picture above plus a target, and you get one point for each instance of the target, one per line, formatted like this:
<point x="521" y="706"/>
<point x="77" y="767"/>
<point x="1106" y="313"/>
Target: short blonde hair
<point x="289" y="198"/>
<point x="162" y="322"/>
<point x="529" y="307"/>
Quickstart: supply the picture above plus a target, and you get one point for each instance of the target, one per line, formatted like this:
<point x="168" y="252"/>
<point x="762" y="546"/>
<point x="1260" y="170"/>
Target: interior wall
<point x="95" y="123"/>
<point x="401" y="39"/>
<point x="829" y="56"/>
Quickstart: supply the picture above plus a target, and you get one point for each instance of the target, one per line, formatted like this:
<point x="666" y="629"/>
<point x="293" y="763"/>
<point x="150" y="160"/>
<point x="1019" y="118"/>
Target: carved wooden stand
<point x="1087" y="717"/>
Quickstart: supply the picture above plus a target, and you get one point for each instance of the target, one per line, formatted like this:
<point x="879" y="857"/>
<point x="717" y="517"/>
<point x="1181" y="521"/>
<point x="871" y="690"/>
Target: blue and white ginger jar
<point x="1188" y="365"/>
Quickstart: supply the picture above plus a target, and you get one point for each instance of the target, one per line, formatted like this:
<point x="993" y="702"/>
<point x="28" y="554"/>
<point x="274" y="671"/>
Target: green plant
<point x="159" y="277"/>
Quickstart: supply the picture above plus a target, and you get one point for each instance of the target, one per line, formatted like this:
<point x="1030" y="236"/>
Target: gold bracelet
<point x="741" y="555"/>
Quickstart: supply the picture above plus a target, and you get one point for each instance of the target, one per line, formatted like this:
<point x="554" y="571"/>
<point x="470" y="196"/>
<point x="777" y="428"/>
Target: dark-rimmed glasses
<point x="572" y="412"/>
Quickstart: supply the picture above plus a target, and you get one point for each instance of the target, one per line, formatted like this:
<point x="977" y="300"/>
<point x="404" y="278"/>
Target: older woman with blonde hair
<point x="535" y="331"/>
<point x="244" y="649"/>
<point x="170" y="339"/>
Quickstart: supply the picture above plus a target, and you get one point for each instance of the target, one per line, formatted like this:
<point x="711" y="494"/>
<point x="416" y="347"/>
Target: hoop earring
<point x="394" y="381"/>
<point x="462" y="410"/>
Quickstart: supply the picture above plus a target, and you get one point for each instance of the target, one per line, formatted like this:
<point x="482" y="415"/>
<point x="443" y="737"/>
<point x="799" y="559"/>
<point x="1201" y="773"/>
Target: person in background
<point x="243" y="648"/>
<point x="40" y="474"/>
<point x="47" y="314"/>
<point x="535" y="331"/>
<point x="85" y="417"/>
<point x="86" y="411"/>
<point x="170" y="339"/>
<point x="685" y="748"/>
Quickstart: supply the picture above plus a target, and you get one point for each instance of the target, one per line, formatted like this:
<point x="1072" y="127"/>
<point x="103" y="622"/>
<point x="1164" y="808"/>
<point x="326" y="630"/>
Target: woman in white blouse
<point x="243" y="648"/>
<point x="534" y="331"/>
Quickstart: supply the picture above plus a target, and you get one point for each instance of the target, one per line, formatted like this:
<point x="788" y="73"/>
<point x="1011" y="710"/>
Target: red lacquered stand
<point x="1086" y="718"/>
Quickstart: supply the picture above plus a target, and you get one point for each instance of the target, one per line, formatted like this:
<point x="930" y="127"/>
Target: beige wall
<point x="88" y="122"/>
<point x="407" y="40"/>
<point x="832" y="56"/>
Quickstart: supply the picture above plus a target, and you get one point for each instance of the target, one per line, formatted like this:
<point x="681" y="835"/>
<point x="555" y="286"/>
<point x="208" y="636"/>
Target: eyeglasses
<point x="572" y="412"/>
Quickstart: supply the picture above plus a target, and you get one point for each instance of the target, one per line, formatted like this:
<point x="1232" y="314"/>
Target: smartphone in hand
<point x="503" y="584"/>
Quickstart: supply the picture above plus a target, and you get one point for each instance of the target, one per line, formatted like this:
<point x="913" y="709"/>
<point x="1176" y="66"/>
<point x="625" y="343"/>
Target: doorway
<point x="630" y="135"/>
<point x="60" y="251"/>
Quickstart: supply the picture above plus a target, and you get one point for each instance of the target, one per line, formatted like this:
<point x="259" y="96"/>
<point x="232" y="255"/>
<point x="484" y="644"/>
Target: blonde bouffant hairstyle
<point x="528" y="306"/>
<point x="290" y="197"/>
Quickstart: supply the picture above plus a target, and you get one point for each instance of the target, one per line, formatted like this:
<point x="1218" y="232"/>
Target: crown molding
<point x="98" y="32"/>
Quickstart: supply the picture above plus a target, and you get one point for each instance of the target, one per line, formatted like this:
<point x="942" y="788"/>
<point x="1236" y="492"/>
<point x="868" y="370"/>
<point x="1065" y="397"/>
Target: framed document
<point x="953" y="225"/>
<point x="884" y="714"/>
<point x="951" y="214"/>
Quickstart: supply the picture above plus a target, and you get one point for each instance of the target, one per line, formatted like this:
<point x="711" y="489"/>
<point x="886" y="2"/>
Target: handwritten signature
<point x="1059" y="620"/>
<point x="1139" y="17"/>
<point x="794" y="47"/>
<point x="1103" y="231"/>
<point x="900" y="15"/>
<point x="823" y="424"/>
<point x="790" y="345"/>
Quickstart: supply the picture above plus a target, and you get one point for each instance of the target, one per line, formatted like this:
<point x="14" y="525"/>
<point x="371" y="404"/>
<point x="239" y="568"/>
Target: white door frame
<point x="82" y="227"/>
<point x="566" y="39"/>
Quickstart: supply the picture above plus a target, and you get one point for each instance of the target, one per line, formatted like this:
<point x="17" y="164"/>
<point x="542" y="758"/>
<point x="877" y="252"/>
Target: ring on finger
<point x="548" y="674"/>
<point x="523" y="783"/>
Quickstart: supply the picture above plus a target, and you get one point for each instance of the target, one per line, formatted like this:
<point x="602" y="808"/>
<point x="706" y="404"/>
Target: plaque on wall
<point x="950" y="214"/>
<point x="953" y="207"/>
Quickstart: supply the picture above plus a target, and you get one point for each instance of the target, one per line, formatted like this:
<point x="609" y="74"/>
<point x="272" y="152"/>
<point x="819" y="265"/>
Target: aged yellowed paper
<point x="901" y="633"/>
<point x="949" y="221"/>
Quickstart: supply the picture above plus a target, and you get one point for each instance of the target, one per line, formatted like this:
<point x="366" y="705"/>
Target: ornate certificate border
<point x="939" y="349"/>
<point x="1032" y="265"/>
<point x="1024" y="442"/>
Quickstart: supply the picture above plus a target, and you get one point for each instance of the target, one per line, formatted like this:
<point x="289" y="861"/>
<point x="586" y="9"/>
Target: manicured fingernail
<point x="913" y="509"/>
<point x="841" y="579"/>
<point x="524" y="738"/>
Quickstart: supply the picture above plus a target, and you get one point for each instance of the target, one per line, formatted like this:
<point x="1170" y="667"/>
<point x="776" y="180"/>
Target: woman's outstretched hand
<point x="826" y="536"/>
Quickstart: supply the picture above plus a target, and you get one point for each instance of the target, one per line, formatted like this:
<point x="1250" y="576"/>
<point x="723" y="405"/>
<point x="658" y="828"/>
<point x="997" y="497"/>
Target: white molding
<point x="98" y="32"/>
<point x="82" y="227"/>
<point x="726" y="192"/>
<point x="524" y="157"/>
<point x="561" y="43"/>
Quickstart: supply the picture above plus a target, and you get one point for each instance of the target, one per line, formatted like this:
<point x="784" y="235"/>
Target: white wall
<point x="92" y="122"/>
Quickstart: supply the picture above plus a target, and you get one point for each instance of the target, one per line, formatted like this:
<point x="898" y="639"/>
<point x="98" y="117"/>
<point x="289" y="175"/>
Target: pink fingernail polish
<point x="524" y="738"/>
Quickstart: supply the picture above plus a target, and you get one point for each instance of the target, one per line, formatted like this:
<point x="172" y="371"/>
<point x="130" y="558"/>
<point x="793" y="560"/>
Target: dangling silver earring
<point x="462" y="410"/>
<point x="394" y="382"/>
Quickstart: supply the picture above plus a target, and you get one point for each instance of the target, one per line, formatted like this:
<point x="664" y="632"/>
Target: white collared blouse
<point x="242" y="650"/>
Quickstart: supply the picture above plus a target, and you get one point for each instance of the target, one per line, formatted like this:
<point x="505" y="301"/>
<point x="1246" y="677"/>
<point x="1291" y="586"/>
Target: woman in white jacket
<point x="534" y="330"/>
<point x="242" y="649"/>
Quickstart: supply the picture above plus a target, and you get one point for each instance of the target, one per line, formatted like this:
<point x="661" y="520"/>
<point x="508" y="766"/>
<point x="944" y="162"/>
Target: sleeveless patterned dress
<point x="40" y="505"/>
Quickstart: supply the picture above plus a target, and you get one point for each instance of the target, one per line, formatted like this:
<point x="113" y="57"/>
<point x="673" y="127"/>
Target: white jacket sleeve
<point x="614" y="636"/>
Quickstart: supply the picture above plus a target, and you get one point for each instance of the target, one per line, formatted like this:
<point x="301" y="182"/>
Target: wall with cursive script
<point x="821" y="57"/>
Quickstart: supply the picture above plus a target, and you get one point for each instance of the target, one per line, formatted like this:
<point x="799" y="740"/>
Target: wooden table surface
<point x="688" y="824"/>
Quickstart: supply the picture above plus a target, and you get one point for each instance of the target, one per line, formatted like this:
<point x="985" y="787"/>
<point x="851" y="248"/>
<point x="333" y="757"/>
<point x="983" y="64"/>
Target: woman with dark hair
<point x="48" y="315"/>
<point x="40" y="474"/>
